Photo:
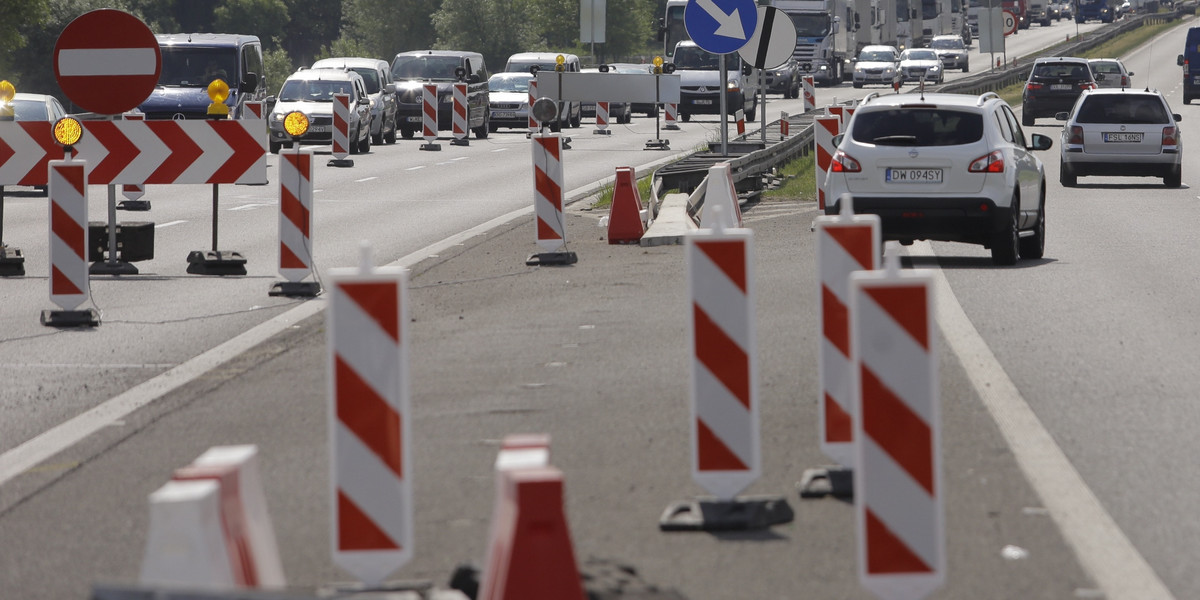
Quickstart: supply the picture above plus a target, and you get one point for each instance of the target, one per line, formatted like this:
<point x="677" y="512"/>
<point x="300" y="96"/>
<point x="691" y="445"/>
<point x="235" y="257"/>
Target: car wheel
<point x="1034" y="246"/>
<point x="858" y="84"/>
<point x="482" y="131"/>
<point x="577" y="121"/>
<point x="1027" y="119"/>
<point x="407" y="133"/>
<point x="354" y="146"/>
<point x="365" y="145"/>
<point x="1006" y="245"/>
<point x="1174" y="178"/>
<point x="378" y="139"/>
<point x="391" y="134"/>
<point x="966" y="67"/>
<point x="1187" y="99"/>
<point x="1066" y="176"/>
<point x="685" y="118"/>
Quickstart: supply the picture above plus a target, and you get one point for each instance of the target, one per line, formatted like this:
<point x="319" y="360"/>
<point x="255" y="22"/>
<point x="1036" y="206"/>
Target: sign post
<point x="720" y="27"/>
<point x="772" y="44"/>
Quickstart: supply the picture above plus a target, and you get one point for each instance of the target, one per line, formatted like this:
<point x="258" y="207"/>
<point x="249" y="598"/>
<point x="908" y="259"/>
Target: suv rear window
<point x="1061" y="70"/>
<point x="300" y="90"/>
<point x="1122" y="108"/>
<point x="425" y="67"/>
<point x="917" y="127"/>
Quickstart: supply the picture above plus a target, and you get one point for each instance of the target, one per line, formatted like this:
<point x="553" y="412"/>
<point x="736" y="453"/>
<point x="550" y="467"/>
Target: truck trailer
<point x="825" y="36"/>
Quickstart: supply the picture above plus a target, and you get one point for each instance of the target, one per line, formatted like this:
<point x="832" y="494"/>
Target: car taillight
<point x="844" y="163"/>
<point x="1087" y="85"/>
<point x="1168" y="138"/>
<point x="1075" y="135"/>
<point x="1124" y="81"/>
<point x="1033" y="86"/>
<point x="990" y="163"/>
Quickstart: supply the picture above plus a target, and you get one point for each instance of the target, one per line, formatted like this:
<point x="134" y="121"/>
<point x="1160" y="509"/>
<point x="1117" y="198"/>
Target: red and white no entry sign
<point x="107" y="61"/>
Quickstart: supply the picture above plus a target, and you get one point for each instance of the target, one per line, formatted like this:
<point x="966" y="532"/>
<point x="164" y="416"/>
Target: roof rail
<point x="984" y="97"/>
<point x="868" y="97"/>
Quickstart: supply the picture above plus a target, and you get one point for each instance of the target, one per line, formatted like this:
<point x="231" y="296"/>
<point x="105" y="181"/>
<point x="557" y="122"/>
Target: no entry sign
<point x="107" y="61"/>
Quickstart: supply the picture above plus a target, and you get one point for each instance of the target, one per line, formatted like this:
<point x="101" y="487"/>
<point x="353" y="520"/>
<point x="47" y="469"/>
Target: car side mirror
<point x="250" y="82"/>
<point x="1130" y="74"/>
<point x="1099" y="76"/>
<point x="1179" y="60"/>
<point x="1062" y="116"/>
<point x="474" y="78"/>
<point x="747" y="69"/>
<point x="389" y="88"/>
<point x="1177" y="116"/>
<point x="1041" y="142"/>
<point x="837" y="139"/>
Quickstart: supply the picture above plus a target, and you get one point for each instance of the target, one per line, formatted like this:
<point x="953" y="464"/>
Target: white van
<point x="524" y="62"/>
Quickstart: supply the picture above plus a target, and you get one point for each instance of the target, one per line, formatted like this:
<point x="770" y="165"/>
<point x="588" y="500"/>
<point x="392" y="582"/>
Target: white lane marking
<point x="500" y="150"/>
<point x="1099" y="544"/>
<point x="86" y="365"/>
<point x="67" y="434"/>
<point x="365" y="179"/>
<point x="415" y="168"/>
<point x="251" y="206"/>
<point x="169" y="224"/>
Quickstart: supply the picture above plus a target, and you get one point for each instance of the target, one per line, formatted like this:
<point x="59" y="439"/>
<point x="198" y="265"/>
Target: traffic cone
<point x="186" y="545"/>
<point x="531" y="556"/>
<point x="625" y="213"/>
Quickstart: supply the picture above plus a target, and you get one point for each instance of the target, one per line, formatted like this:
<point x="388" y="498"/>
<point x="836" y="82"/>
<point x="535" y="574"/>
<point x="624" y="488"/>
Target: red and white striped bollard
<point x="460" y="115"/>
<point x="810" y="93"/>
<point x="295" y="224"/>
<point x="548" y="201"/>
<point x="672" y="116"/>
<point x="429" y="116"/>
<point x="341" y="130"/>
<point x="533" y="123"/>
<point x="602" y="118"/>
<point x="69" y="285"/>
<point x="824" y="130"/>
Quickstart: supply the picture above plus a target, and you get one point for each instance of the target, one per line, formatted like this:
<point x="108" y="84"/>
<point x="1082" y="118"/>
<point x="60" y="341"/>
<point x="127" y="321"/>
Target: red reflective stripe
<point x="897" y="430"/>
<point x="727" y="361"/>
<point x="887" y="553"/>
<point x="356" y="531"/>
<point x="368" y="416"/>
<point x="838" y="425"/>
<point x="907" y="307"/>
<point x="729" y="256"/>
<point x="712" y="454"/>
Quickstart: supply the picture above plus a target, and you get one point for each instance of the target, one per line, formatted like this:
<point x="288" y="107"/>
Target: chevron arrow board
<point x="141" y="152"/>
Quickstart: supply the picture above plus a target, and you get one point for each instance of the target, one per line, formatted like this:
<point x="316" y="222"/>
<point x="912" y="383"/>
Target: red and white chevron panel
<point x="142" y="152"/>
<point x="785" y="127"/>
<point x="548" y="191"/>
<point x="429" y="112"/>
<point x="724" y="374"/>
<point x="533" y="124"/>
<point x="136" y="191"/>
<point x="845" y="244"/>
<point x="370" y="422"/>
<point x="252" y="109"/>
<point x="810" y="93"/>
<point x="295" y="214"/>
<point x="672" y="115"/>
<point x="601" y="115"/>
<point x="824" y="130"/>
<point x="897" y="473"/>
<point x="68" y="233"/>
<point x="838" y="111"/>
<point x="341" y="126"/>
<point x="740" y="115"/>
<point x="460" y="111"/>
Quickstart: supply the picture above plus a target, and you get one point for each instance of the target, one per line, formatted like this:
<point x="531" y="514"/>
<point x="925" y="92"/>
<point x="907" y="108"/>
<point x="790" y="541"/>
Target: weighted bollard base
<point x="432" y="147"/>
<point x="71" y="318"/>
<point x="134" y="205"/>
<point x="340" y="162"/>
<point x="460" y="142"/>
<point x="658" y="144"/>
<point x="551" y="259"/>
<point x="307" y="289"/>
<point x="566" y="142"/>
<point x="216" y="262"/>
<point x="12" y="262"/>
<point x="671" y="127"/>
<point x="119" y="267"/>
<point x="601" y="132"/>
<point x="740" y="514"/>
<point x="827" y="481"/>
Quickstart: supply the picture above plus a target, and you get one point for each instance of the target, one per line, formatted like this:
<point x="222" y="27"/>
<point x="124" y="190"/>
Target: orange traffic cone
<point x="625" y="214"/>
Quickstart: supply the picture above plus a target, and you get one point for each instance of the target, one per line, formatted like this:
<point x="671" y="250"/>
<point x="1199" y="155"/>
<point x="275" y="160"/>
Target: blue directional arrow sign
<point x="720" y="26"/>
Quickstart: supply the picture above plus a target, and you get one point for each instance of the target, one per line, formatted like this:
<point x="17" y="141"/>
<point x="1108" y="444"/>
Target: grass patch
<point x="606" y="193"/>
<point x="800" y="180"/>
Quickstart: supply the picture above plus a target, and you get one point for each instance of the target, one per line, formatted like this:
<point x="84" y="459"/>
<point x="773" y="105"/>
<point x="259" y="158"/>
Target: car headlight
<point x="935" y="68"/>
<point x="277" y="117"/>
<point x="889" y="70"/>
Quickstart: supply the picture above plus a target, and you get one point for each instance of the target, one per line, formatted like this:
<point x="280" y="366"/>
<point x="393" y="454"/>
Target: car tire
<point x="365" y="145"/>
<point x="685" y="117"/>
<point x="407" y="133"/>
<point x="1173" y="178"/>
<point x="1034" y="246"/>
<point x="482" y="131"/>
<point x="577" y="121"/>
<point x="1006" y="245"/>
<point x="858" y="84"/>
<point x="378" y="139"/>
<point x="1066" y="176"/>
<point x="354" y="147"/>
<point x="966" y="67"/>
<point x="390" y="138"/>
<point x="1027" y="119"/>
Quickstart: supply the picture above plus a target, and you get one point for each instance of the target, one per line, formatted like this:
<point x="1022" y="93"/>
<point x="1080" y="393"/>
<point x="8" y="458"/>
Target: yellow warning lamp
<point x="67" y="132"/>
<point x="658" y="63"/>
<point x="560" y="63"/>
<point x="218" y="91"/>
<point x="7" y="91"/>
<point x="295" y="124"/>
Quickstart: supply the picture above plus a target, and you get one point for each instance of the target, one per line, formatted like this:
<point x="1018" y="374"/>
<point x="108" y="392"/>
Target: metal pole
<point x="724" y="105"/>
<point x="657" y="101"/>
<point x="762" y="109"/>
<point x="112" y="224"/>
<point x="215" y="196"/>
<point x="2" y="244"/>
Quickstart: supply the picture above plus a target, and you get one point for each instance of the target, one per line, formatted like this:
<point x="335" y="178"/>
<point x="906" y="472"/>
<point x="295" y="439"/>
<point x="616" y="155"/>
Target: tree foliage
<point x="387" y="27"/>
<point x="495" y="28"/>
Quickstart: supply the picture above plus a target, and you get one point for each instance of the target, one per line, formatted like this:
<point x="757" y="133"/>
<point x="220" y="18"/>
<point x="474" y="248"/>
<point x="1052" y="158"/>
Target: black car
<point x="784" y="79"/>
<point x="411" y="70"/>
<point x="1053" y="87"/>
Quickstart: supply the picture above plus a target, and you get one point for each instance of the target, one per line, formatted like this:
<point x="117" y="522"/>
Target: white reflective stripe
<point x="368" y="482"/>
<point x="900" y="363"/>
<point x="99" y="62"/>
<point x="903" y="505"/>
<point x="722" y="300"/>
<point x="725" y="415"/>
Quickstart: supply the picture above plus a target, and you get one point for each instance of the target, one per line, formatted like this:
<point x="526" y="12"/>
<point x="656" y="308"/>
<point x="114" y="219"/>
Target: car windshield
<point x="810" y="24"/>
<point x="692" y="58"/>
<point x="370" y="78"/>
<point x="192" y="66"/>
<point x="919" y="55"/>
<point x="1108" y="68"/>
<point x="877" y="56"/>
<point x="1126" y="109"/>
<point x="440" y="68"/>
<point x="917" y="127"/>
<point x="947" y="44"/>
<point x="1060" y="70"/>
<point x="300" y="90"/>
<point x="509" y="84"/>
<point x="30" y="110"/>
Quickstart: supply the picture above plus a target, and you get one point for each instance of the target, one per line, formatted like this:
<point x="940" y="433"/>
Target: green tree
<point x="32" y="68"/>
<point x="278" y="65"/>
<point x="628" y="29"/>
<point x="556" y="23"/>
<point x="16" y="18"/>
<point x="268" y="19"/>
<point x="495" y="28"/>
<point x="386" y="27"/>
<point x="314" y="25"/>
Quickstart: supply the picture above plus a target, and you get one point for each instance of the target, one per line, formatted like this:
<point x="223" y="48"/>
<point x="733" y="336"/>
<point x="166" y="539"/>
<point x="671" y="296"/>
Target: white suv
<point x="945" y="167"/>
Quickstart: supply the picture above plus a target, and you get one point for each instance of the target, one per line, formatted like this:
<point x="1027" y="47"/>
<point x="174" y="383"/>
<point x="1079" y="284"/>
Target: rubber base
<point x="307" y="289"/>
<point x="431" y="147"/>
<point x="220" y="262"/>
<point x="340" y="162"/>
<point x="112" y="268"/>
<point x="71" y="318"/>
<point x="134" y="205"/>
<point x="552" y="259"/>
<point x="658" y="145"/>
<point x="827" y="481"/>
<point x="739" y="514"/>
<point x="12" y="262"/>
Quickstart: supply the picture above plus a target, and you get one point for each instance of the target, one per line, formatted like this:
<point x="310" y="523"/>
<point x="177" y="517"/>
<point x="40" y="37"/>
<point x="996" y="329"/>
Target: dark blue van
<point x="191" y="61"/>
<point x="1190" y="61"/>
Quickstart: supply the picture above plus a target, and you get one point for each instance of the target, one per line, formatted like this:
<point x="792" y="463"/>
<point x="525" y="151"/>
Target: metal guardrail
<point x="749" y="167"/>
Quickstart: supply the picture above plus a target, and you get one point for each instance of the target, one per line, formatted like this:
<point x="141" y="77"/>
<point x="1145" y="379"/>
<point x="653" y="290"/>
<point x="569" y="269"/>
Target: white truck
<point x="825" y="36"/>
<point x="1039" y="12"/>
<point x="881" y="26"/>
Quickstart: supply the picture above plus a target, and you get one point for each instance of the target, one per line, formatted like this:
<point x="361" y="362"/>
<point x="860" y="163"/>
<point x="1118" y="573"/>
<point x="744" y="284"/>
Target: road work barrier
<point x="740" y="117"/>
<point x="186" y="545"/>
<point x="810" y="93"/>
<point x="720" y="207"/>
<point x="825" y="128"/>
<point x="898" y="471"/>
<point x="133" y="192"/>
<point x="533" y="96"/>
<point x="295" y="224"/>
<point x="846" y="243"/>
<point x="625" y="225"/>
<point x="370" y="421"/>
<point x="341" y="131"/>
<point x="517" y="451"/>
<point x="429" y="116"/>
<point x="548" y="201"/>
<point x="785" y="128"/>
<point x="68" y="246"/>
<point x="725" y="445"/>
<point x="459" y="121"/>
<point x="602" y="118"/>
<point x="671" y="116"/>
